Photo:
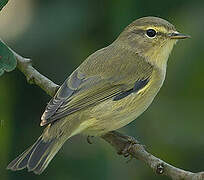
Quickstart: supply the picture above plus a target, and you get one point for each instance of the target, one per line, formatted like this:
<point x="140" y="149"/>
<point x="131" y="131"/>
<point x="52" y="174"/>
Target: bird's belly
<point x="112" y="115"/>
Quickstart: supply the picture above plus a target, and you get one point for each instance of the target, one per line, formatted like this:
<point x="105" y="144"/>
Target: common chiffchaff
<point x="111" y="88"/>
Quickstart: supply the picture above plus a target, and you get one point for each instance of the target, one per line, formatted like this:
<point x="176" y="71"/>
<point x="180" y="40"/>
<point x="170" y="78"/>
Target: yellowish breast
<point x="111" y="115"/>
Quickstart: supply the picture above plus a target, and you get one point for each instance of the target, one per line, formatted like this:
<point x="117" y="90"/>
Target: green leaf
<point x="3" y="3"/>
<point x="7" y="59"/>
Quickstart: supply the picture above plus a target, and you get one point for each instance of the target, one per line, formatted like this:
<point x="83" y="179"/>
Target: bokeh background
<point x="58" y="36"/>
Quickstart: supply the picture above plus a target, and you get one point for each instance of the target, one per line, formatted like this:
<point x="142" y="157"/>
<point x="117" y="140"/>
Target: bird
<point x="111" y="88"/>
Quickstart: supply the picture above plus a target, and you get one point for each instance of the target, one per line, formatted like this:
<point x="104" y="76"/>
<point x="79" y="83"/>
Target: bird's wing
<point x="84" y="89"/>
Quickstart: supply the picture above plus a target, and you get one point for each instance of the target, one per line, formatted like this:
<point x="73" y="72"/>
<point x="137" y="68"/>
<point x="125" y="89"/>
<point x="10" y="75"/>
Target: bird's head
<point x="152" y="38"/>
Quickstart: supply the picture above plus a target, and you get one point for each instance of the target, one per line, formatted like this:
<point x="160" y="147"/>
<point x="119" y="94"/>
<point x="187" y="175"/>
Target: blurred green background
<point x="58" y="36"/>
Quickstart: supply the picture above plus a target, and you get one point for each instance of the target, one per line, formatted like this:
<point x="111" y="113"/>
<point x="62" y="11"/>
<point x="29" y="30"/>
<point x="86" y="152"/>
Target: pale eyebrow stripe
<point x="158" y="28"/>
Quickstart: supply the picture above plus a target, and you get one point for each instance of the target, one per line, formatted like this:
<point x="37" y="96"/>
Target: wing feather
<point x="96" y="81"/>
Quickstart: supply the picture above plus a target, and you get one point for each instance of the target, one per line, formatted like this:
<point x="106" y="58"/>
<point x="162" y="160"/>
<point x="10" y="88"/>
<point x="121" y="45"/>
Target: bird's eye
<point x="151" y="33"/>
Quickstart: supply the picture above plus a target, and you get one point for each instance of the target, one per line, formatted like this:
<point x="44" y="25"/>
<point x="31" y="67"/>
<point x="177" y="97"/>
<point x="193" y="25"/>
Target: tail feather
<point x="38" y="153"/>
<point x="37" y="157"/>
<point x="21" y="161"/>
<point x="42" y="165"/>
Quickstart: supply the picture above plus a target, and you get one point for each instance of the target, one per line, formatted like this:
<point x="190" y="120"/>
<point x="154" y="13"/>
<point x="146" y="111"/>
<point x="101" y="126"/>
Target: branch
<point x="157" y="165"/>
<point x="113" y="138"/>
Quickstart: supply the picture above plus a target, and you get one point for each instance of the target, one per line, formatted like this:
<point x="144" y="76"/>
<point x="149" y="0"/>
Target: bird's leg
<point x="130" y="142"/>
<point x="89" y="139"/>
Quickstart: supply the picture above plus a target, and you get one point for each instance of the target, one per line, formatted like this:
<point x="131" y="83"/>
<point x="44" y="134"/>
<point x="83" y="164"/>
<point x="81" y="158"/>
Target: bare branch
<point x="115" y="139"/>
<point x="157" y="165"/>
<point x="34" y="77"/>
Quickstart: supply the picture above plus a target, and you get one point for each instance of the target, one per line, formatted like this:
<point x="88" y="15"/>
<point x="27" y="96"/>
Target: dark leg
<point x="89" y="139"/>
<point x="130" y="142"/>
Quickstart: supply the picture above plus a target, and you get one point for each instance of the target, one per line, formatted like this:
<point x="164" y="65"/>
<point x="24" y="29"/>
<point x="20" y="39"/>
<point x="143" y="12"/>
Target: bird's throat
<point x="158" y="56"/>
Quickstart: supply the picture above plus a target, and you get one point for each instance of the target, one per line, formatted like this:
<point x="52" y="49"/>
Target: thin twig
<point x="137" y="151"/>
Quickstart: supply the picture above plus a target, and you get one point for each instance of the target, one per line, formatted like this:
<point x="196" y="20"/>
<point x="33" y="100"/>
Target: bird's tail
<point x="37" y="157"/>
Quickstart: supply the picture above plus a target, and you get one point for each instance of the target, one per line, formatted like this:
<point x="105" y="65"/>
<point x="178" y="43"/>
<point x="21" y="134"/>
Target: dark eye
<point x="151" y="33"/>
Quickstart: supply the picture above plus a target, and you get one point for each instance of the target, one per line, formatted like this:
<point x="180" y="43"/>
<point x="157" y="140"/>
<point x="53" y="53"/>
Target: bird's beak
<point x="177" y="35"/>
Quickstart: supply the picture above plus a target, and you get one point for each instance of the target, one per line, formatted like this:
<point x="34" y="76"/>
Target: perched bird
<point x="111" y="88"/>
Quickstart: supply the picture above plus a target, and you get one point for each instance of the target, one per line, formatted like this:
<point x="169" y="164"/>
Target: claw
<point x="129" y="160"/>
<point x="130" y="142"/>
<point x="89" y="139"/>
<point x="126" y="151"/>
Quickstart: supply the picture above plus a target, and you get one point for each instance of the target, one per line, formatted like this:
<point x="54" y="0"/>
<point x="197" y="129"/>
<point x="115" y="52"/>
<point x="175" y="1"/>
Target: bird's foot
<point x="89" y="139"/>
<point x="131" y="141"/>
<point x="126" y="150"/>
